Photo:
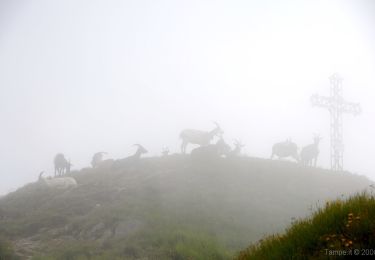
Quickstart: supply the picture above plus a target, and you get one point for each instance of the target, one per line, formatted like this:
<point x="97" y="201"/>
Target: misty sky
<point x="79" y="77"/>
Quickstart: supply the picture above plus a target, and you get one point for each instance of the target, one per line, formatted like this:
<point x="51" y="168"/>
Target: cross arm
<point x="321" y="101"/>
<point x="352" y="108"/>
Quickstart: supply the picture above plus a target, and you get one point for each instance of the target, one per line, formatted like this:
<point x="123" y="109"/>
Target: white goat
<point x="198" y="137"/>
<point x="310" y="153"/>
<point x="285" y="149"/>
<point x="62" y="166"/>
<point x="58" y="183"/>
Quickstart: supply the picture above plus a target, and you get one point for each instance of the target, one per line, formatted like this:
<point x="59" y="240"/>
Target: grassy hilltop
<point x="165" y="208"/>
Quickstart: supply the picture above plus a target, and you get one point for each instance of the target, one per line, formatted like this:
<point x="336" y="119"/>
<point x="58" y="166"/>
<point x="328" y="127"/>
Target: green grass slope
<point x="6" y="250"/>
<point x="166" y="208"/>
<point x="342" y="229"/>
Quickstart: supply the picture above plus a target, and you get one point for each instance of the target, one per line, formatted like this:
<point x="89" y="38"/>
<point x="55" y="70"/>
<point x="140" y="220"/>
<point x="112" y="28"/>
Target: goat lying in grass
<point x="211" y="151"/>
<point x="59" y="183"/>
<point x="132" y="159"/>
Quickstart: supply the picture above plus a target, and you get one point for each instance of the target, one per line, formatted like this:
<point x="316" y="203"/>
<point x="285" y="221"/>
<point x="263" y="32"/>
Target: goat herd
<point x="206" y="150"/>
<point x="308" y="156"/>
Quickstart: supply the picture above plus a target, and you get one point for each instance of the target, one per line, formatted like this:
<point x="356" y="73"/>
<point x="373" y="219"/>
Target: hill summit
<point x="168" y="207"/>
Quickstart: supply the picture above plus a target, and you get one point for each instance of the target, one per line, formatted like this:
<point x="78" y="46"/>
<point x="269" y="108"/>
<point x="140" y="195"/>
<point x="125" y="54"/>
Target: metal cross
<point x="336" y="106"/>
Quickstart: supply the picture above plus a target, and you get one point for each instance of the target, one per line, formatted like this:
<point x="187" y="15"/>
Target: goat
<point x="133" y="159"/>
<point x="237" y="149"/>
<point x="201" y="138"/>
<point x="310" y="153"/>
<point x="137" y="155"/>
<point x="285" y="149"/>
<point x="140" y="150"/>
<point x="97" y="158"/>
<point x="59" y="183"/>
<point x="211" y="151"/>
<point x="62" y="166"/>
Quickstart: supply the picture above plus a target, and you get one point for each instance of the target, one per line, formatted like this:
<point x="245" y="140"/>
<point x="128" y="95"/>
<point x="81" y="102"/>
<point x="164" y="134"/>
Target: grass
<point x="166" y="244"/>
<point x="166" y="208"/>
<point x="6" y="250"/>
<point x="340" y="225"/>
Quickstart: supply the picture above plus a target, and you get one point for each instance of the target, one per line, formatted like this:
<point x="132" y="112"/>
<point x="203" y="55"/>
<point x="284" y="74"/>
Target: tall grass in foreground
<point x="341" y="226"/>
<point x="6" y="250"/>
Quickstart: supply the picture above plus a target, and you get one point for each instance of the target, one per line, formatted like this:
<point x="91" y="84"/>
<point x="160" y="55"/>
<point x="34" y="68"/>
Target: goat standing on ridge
<point x="285" y="149"/>
<point x="141" y="150"/>
<point x="198" y="137"/>
<point x="310" y="153"/>
<point x="62" y="166"/>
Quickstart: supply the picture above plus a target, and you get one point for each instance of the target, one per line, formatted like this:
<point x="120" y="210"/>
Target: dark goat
<point x="62" y="166"/>
<point x="285" y="149"/>
<point x="130" y="160"/>
<point x="141" y="150"/>
<point x="310" y="153"/>
<point x="211" y="151"/>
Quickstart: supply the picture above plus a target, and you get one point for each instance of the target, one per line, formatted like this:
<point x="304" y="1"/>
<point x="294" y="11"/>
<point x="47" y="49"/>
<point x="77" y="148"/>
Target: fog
<point x="79" y="77"/>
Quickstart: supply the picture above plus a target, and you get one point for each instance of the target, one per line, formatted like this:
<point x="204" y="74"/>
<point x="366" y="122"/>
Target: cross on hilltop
<point x="336" y="106"/>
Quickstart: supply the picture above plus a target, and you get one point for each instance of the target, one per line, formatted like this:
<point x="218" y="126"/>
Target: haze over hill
<point x="79" y="77"/>
<point x="171" y="207"/>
